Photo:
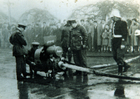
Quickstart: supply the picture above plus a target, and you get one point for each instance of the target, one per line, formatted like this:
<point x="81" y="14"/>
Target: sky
<point x="59" y="8"/>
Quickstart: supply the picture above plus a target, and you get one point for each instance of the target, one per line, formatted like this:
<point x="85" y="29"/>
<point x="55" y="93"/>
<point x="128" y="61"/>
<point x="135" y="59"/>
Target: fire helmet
<point x="116" y="13"/>
<point x="22" y="25"/>
<point x="35" y="43"/>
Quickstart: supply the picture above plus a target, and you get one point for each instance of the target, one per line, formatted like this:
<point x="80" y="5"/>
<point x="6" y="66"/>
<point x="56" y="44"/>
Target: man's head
<point x="68" y="22"/>
<point x="90" y="20"/>
<point x="82" y="21"/>
<point x="103" y="21"/>
<point x="35" y="45"/>
<point x="115" y="15"/>
<point x="134" y="21"/>
<point x="44" y="23"/>
<point x="73" y="23"/>
<point x="64" y="21"/>
<point x="21" y="27"/>
<point x="95" y="23"/>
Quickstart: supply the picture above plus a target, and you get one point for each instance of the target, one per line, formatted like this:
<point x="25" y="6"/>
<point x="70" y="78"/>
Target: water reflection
<point x="77" y="94"/>
<point x="119" y="91"/>
<point x="23" y="90"/>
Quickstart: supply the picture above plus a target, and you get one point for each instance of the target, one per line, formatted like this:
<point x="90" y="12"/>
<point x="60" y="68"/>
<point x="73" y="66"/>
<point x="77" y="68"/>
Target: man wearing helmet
<point x="120" y="33"/>
<point x="18" y="41"/>
<point x="30" y="56"/>
<point x="78" y="47"/>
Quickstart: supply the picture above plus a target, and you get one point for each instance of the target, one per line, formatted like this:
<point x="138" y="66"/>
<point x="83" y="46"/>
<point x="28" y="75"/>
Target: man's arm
<point x="84" y="34"/>
<point x="20" y="38"/>
<point x="124" y="30"/>
<point x="62" y="35"/>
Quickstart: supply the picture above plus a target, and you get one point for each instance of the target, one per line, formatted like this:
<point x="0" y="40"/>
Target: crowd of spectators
<point x="99" y="34"/>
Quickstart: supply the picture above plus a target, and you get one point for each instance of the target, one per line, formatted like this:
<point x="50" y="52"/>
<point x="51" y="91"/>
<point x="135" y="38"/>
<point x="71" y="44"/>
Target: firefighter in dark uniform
<point x="18" y="41"/>
<point x="120" y="33"/>
<point x="65" y="40"/>
<point x="30" y="56"/>
<point x="78" y="47"/>
<point x="65" y="43"/>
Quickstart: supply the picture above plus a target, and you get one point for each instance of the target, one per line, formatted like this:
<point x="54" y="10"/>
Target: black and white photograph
<point x="69" y="49"/>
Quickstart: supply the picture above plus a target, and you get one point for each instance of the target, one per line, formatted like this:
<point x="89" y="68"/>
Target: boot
<point x="120" y="67"/>
<point x="126" y="68"/>
<point x="85" y="78"/>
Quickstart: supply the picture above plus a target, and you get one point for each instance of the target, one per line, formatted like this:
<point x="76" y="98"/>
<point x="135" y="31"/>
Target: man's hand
<point x="69" y="49"/>
<point x="84" y="46"/>
<point x="49" y="71"/>
<point x="123" y="39"/>
<point x="33" y="63"/>
<point x="123" y="44"/>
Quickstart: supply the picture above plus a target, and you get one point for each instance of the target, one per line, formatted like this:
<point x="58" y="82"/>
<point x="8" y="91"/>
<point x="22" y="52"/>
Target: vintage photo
<point x="69" y="49"/>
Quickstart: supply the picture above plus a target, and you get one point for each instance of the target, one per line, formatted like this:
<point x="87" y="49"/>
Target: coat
<point x="109" y="38"/>
<point x="58" y="33"/>
<point x="18" y="41"/>
<point x="99" y="34"/>
<point x="95" y="37"/>
<point x="45" y="30"/>
<point x="120" y="28"/>
<point x="30" y="56"/>
<point x="78" y="37"/>
<point x="105" y="38"/>
<point x="65" y="37"/>
<point x="134" y="41"/>
<point x="90" y="33"/>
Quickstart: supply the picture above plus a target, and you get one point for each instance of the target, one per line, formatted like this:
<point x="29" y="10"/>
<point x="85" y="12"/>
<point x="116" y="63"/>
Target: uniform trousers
<point x="20" y="66"/>
<point x="118" y="53"/>
<point x="67" y="52"/>
<point x="79" y="57"/>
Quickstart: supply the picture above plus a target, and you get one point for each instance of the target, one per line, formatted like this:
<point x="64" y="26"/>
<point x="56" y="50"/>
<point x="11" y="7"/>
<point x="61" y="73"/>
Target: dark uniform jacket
<point x="30" y="56"/>
<point x="18" y="41"/>
<point x="119" y="29"/>
<point x="78" y="37"/>
<point x="65" y="37"/>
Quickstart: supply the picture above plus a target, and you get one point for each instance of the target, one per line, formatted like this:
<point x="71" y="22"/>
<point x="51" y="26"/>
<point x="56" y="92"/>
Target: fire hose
<point x="92" y="71"/>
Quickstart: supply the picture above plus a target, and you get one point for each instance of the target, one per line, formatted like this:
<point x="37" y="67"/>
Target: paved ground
<point x="97" y="87"/>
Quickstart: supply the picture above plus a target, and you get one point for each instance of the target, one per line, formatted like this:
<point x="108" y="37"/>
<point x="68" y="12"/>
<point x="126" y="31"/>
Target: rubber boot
<point x="120" y="68"/>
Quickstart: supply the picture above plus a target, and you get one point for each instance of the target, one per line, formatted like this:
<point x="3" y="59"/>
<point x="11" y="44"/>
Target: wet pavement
<point x="97" y="87"/>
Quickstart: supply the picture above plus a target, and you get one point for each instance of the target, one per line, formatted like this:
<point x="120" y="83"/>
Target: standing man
<point x="78" y="47"/>
<point x="99" y="35"/>
<point x="95" y="36"/>
<point x="18" y="41"/>
<point x="90" y="33"/>
<point x="65" y="43"/>
<point x="120" y="33"/>
<point x="65" y="40"/>
<point x="30" y="57"/>
<point x="45" y="29"/>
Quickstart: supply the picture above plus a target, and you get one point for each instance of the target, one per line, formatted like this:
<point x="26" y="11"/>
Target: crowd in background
<point x="99" y="34"/>
<point x="33" y="32"/>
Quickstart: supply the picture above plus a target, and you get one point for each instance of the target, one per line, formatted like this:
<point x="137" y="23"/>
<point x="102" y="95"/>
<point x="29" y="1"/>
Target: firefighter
<point x="120" y="33"/>
<point x="78" y="47"/>
<point x="18" y="41"/>
<point x="65" y="40"/>
<point x="65" y="43"/>
<point x="30" y="56"/>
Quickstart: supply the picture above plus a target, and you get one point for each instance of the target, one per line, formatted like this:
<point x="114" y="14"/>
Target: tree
<point x="102" y="10"/>
<point x="37" y="15"/>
